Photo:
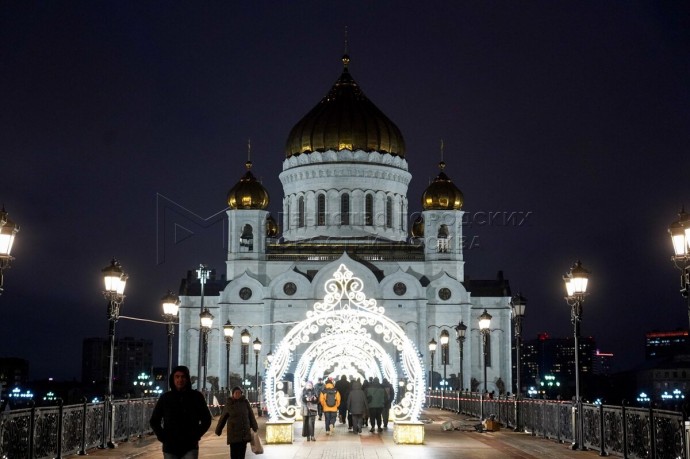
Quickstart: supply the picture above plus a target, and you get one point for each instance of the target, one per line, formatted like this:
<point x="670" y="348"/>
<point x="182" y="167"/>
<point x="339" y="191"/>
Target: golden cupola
<point x="272" y="229"/>
<point x="248" y="193"/>
<point x="345" y="120"/>
<point x="442" y="194"/>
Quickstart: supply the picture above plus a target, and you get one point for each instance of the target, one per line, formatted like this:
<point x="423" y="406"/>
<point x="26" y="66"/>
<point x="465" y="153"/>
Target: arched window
<point x="300" y="217"/>
<point x="389" y="212"/>
<point x="321" y="210"/>
<point x="345" y="209"/>
<point x="247" y="239"/>
<point x="369" y="210"/>
<point x="443" y="241"/>
<point x="287" y="212"/>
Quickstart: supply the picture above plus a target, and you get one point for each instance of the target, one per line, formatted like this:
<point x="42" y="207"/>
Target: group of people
<point x="181" y="417"/>
<point x="355" y="402"/>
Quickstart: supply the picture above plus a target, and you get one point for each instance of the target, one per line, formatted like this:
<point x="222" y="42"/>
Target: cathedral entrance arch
<point x="345" y="334"/>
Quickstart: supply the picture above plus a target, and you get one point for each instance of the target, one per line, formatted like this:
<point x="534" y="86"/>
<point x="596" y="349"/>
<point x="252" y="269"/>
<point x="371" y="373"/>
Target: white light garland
<point x="339" y="333"/>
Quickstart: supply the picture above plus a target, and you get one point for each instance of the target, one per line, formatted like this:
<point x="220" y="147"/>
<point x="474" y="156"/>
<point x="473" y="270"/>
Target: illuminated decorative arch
<point x="338" y="332"/>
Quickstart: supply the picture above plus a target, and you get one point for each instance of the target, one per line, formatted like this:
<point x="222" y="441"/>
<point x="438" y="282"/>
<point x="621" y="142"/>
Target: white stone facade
<point x="271" y="284"/>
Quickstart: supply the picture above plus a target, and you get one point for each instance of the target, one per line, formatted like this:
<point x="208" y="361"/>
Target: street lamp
<point x="115" y="280"/>
<point x="484" y="329"/>
<point x="8" y="230"/>
<point x="576" y="289"/>
<point x="518" y="304"/>
<point x="229" y="333"/>
<point x="680" y="237"/>
<point x="246" y="337"/>
<point x="460" y="330"/>
<point x="432" y="350"/>
<point x="171" y="307"/>
<point x="206" y="319"/>
<point x="202" y="274"/>
<point x="445" y="337"/>
<point x="257" y="350"/>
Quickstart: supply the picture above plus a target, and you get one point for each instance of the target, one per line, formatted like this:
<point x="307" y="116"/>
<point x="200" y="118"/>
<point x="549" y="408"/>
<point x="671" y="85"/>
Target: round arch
<point x="345" y="330"/>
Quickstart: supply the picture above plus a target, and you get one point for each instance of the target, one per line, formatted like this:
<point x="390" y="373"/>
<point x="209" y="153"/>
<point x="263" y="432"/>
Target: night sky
<point x="120" y="119"/>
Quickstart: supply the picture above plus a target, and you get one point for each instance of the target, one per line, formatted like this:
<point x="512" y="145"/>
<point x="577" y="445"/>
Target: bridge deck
<point x="464" y="442"/>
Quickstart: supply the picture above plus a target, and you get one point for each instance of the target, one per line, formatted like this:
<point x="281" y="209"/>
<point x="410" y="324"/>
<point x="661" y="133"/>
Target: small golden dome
<point x="248" y="193"/>
<point x="345" y="120"/>
<point x="418" y="227"/>
<point x="442" y="194"/>
<point x="271" y="227"/>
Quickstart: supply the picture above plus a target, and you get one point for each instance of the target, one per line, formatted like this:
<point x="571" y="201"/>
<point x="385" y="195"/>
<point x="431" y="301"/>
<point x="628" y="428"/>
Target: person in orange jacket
<point x="330" y="401"/>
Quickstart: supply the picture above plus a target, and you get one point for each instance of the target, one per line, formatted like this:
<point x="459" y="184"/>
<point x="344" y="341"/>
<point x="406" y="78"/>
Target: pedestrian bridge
<point x="545" y="431"/>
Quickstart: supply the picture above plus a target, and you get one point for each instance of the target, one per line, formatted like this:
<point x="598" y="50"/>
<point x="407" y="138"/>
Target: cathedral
<point x="345" y="179"/>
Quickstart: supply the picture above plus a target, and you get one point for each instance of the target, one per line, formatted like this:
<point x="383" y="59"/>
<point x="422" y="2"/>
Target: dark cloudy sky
<point x="117" y="116"/>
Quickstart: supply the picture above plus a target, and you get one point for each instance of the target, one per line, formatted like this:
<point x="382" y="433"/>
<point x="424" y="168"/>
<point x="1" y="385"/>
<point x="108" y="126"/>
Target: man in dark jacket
<point x="376" y="399"/>
<point x="343" y="388"/>
<point x="181" y="417"/>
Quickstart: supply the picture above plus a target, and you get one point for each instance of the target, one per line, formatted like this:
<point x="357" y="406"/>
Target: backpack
<point x="330" y="397"/>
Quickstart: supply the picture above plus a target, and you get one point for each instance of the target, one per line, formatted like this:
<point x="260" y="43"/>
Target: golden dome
<point x="248" y="193"/>
<point x="442" y="194"/>
<point x="418" y="227"/>
<point x="345" y="119"/>
<point x="271" y="227"/>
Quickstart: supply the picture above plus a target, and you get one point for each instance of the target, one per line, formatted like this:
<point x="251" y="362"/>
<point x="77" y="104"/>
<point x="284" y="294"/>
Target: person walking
<point x="388" y="389"/>
<point x="309" y="411"/>
<point x="357" y="406"/>
<point x="240" y="419"/>
<point x="318" y="388"/>
<point x="330" y="401"/>
<point x="376" y="399"/>
<point x="343" y="388"/>
<point x="181" y="417"/>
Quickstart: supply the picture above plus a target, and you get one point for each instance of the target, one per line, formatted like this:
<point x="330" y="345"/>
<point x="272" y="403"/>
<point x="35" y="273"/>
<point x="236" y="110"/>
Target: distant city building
<point x="601" y="363"/>
<point x="132" y="357"/>
<point x="13" y="372"/>
<point x="664" y="344"/>
<point x="555" y="358"/>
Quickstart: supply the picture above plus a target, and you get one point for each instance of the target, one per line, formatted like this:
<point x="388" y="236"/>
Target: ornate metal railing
<point x="635" y="433"/>
<point x="51" y="432"/>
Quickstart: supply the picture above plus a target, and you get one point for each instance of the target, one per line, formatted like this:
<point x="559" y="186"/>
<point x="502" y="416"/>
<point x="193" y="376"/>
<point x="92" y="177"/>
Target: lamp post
<point x="257" y="350"/>
<point x="246" y="337"/>
<point x="202" y="274"/>
<point x="445" y="337"/>
<point x="485" y="329"/>
<point x="171" y="307"/>
<point x="518" y="304"/>
<point x="229" y="333"/>
<point x="432" y="351"/>
<point x="206" y="319"/>
<point x="576" y="289"/>
<point x="680" y="237"/>
<point x="115" y="281"/>
<point x="460" y="330"/>
<point x="8" y="230"/>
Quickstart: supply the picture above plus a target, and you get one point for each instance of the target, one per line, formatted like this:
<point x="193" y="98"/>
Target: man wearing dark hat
<point x="181" y="417"/>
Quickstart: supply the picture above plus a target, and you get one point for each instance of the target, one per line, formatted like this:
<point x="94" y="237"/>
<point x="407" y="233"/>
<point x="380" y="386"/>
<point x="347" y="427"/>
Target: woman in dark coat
<point x="357" y="406"/>
<point x="240" y="418"/>
<point x="309" y="411"/>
